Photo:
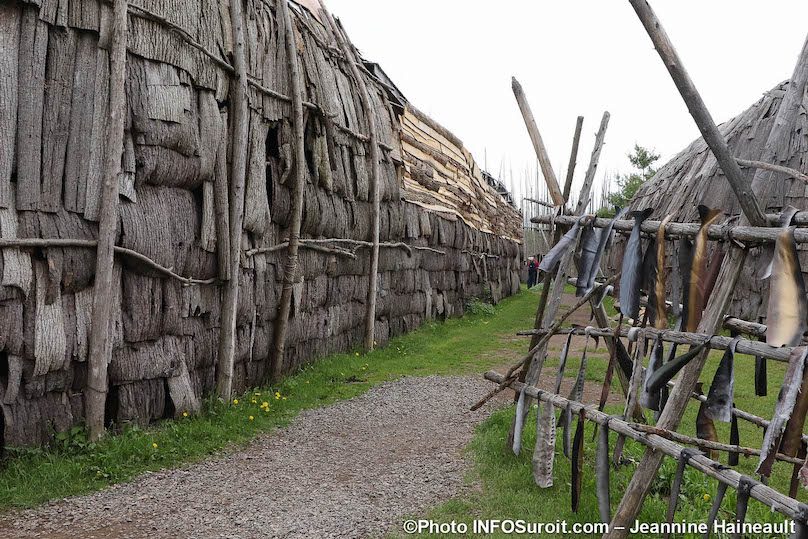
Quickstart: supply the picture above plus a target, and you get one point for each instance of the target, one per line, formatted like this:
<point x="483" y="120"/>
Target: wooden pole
<point x="586" y="190"/>
<point x="538" y="144"/>
<point x="750" y="235"/>
<point x="100" y="345"/>
<point x="375" y="177"/>
<point x="576" y="139"/>
<point x="238" y="169"/>
<point x="713" y="318"/>
<point x="695" y="104"/>
<point x="296" y="217"/>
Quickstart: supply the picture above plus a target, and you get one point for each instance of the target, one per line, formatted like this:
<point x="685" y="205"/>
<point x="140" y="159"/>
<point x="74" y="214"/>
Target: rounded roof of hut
<point x="693" y="177"/>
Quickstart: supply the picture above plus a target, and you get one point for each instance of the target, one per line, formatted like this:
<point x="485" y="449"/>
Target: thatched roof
<point x="693" y="177"/>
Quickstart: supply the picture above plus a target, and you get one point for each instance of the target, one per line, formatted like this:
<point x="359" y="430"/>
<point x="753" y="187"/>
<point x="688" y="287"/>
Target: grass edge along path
<point x="72" y="465"/>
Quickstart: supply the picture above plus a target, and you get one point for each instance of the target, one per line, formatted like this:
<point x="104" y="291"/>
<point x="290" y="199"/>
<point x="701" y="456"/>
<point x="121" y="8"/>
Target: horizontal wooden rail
<point x="773" y="499"/>
<point x="745" y="234"/>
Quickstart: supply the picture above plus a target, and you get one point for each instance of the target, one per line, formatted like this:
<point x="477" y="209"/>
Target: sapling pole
<point x="375" y="178"/>
<point x="296" y="218"/>
<point x="238" y="169"/>
<point x="576" y="139"/>
<point x="100" y="346"/>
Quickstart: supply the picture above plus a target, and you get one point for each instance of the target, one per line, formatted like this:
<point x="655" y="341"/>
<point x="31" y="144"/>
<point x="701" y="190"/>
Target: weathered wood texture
<point x="174" y="208"/>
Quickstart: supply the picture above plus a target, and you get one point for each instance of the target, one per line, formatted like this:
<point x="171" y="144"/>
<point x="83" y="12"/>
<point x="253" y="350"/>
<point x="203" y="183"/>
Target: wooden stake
<point x="296" y="220"/>
<point x="538" y="144"/>
<point x="100" y="345"/>
<point x="576" y="139"/>
<point x="238" y="168"/>
<point x="375" y="177"/>
<point x="722" y="296"/>
<point x="704" y="121"/>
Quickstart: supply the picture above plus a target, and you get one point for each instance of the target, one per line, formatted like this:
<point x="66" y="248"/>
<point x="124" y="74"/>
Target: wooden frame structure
<point x="754" y="228"/>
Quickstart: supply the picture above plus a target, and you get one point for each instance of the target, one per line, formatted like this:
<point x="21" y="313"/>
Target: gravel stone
<point x="356" y="468"/>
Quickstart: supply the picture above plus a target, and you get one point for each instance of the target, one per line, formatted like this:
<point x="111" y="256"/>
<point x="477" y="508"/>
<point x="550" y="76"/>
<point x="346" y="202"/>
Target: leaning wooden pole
<point x="375" y="176"/>
<point x="695" y="104"/>
<point x="721" y="298"/>
<point x="576" y="139"/>
<point x="240" y="117"/>
<point x="296" y="219"/>
<point x="538" y="144"/>
<point x="100" y="338"/>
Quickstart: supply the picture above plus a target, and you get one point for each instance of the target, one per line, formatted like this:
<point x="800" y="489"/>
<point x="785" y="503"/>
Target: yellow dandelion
<point x="235" y="401"/>
<point x="251" y="418"/>
<point x="253" y="401"/>
<point x="257" y="393"/>
<point x="154" y="445"/>
<point x="706" y="497"/>
<point x="284" y="398"/>
<point x="185" y="414"/>
<point x="357" y="354"/>
<point x="265" y="404"/>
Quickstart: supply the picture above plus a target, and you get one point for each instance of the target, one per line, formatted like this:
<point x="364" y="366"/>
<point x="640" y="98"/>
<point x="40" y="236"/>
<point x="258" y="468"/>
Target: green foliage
<point x="72" y="465"/>
<point x="480" y="307"/>
<point x="642" y="159"/>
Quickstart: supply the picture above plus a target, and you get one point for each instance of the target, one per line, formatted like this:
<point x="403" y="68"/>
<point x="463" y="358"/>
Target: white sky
<point x="454" y="60"/>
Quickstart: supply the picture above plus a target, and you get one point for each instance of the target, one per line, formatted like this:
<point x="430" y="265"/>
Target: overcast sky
<point x="454" y="60"/>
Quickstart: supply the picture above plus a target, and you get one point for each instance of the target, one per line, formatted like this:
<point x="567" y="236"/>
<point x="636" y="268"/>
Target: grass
<point x="506" y="488"/>
<point x="74" y="466"/>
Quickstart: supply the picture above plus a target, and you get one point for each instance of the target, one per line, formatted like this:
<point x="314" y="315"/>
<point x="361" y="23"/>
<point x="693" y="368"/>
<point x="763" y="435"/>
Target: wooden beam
<point x="713" y="318"/>
<point x="589" y="179"/>
<point x="100" y="351"/>
<point x="538" y="144"/>
<point x="695" y="104"/>
<point x="750" y="235"/>
<point x="296" y="218"/>
<point x="240" y="117"/>
<point x="576" y="139"/>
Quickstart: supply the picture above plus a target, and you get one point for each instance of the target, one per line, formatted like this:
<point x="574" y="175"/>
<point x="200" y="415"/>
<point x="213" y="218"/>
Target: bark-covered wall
<point x="53" y="111"/>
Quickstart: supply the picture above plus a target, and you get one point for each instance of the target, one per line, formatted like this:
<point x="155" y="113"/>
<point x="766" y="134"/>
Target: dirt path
<point x="353" y="469"/>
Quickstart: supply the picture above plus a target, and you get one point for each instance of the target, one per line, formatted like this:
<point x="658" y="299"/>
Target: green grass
<point x="506" y="483"/>
<point x="73" y="466"/>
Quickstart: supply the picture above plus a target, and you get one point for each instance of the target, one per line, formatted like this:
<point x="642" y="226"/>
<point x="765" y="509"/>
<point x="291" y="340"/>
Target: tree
<point x="643" y="161"/>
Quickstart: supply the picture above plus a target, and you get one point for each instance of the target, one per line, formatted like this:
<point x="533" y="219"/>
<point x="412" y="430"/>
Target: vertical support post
<point x="538" y="143"/>
<point x="97" y="383"/>
<point x="375" y="175"/>
<point x="545" y="316"/>
<point x="238" y="167"/>
<point x="290" y="269"/>
<point x="731" y="268"/>
<point x="576" y="139"/>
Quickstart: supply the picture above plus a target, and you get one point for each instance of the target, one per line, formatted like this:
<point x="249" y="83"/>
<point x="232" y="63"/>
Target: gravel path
<point x="353" y="469"/>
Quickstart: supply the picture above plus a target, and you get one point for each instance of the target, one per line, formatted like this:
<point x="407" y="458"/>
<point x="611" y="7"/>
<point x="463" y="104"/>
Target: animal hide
<point x="713" y="269"/>
<point x="602" y="474"/>
<point x="792" y="381"/>
<point x="604" y="240"/>
<point x="788" y="306"/>
<point x="578" y="460"/>
<point x="566" y="424"/>
<point x="648" y="278"/>
<point x="784" y="221"/>
<point x="660" y="313"/>
<point x="545" y="446"/>
<point x="631" y="277"/>
<point x="719" y="498"/>
<point x="652" y="400"/>
<point x="742" y="501"/>
<point x="590" y="240"/>
<point x="705" y="428"/>
<point x="553" y="257"/>
<point x="665" y="373"/>
<point x="734" y="439"/>
<point x="676" y="487"/>
<point x="520" y="419"/>
<point x="697" y="281"/>
<point x="722" y="389"/>
<point x="685" y="259"/>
